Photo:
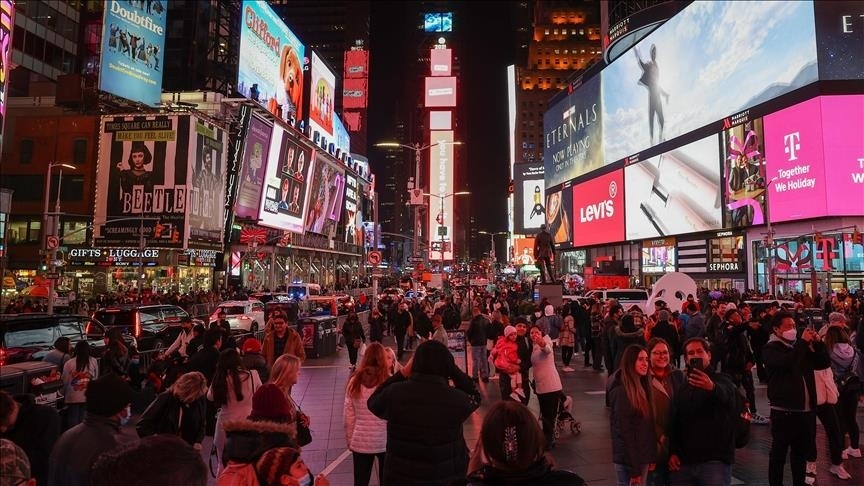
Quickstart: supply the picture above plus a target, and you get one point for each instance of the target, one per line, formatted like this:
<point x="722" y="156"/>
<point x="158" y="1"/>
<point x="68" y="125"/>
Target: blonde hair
<point x="284" y="366"/>
<point x="190" y="387"/>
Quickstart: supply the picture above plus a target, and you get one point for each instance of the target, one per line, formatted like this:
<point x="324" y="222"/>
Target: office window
<point x="555" y="31"/>
<point x="27" y="187"/>
<point x="546" y="31"/>
<point x="26" y="150"/>
<point x="33" y="232"/>
<point x="79" y="151"/>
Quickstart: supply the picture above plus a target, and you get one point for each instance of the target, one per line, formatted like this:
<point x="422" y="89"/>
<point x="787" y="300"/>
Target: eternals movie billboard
<point x="573" y="135"/>
<point x="133" y="49"/>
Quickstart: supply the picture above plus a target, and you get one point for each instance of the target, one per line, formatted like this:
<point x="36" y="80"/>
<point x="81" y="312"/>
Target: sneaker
<point x="515" y="396"/>
<point x="520" y="392"/>
<point x="757" y="419"/>
<point x="850" y="452"/>
<point x="840" y="472"/>
<point x="567" y="368"/>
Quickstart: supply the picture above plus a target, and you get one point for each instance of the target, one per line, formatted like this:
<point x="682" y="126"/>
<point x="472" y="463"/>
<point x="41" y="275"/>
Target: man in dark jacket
<point x="35" y="428"/>
<point x="703" y="407"/>
<point x="430" y="450"/>
<point x="663" y="329"/>
<point x="524" y="348"/>
<point x="352" y="330"/>
<point x="476" y="336"/>
<point x="792" y="395"/>
<point x="206" y="359"/>
<point x="401" y="320"/>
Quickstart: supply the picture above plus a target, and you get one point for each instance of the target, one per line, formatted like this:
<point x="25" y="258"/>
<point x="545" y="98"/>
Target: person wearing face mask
<point x="792" y="395"/>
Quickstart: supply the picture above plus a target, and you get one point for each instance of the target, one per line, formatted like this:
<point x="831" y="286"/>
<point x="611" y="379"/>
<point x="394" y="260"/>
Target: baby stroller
<point x="564" y="419"/>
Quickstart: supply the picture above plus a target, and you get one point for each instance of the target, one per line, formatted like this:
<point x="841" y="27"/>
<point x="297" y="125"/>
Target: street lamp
<point x="53" y="228"/>
<point x="492" y="236"/>
<point x="442" y="197"/>
<point x="770" y="240"/>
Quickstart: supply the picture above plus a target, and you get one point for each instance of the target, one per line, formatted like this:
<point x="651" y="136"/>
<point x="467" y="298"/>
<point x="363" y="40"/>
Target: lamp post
<point x="442" y="198"/>
<point x="52" y="228"/>
<point x="770" y="241"/>
<point x="492" y="256"/>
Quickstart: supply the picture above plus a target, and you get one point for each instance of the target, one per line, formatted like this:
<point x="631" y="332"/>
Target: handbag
<point x="826" y="389"/>
<point x="304" y="435"/>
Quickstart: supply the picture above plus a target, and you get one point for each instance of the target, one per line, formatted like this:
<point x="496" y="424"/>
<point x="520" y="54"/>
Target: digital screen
<point x="573" y="135"/>
<point x="356" y="64"/>
<point x="440" y="62"/>
<point x="559" y="216"/>
<point x="839" y="36"/>
<point x="340" y="135"/>
<point x="325" y="196"/>
<point x="441" y="200"/>
<point x="674" y="193"/>
<point x="744" y="175"/>
<point x="440" y="92"/>
<point x="205" y="217"/>
<point x="598" y="210"/>
<point x="353" y="217"/>
<point x="133" y="50"/>
<point x="658" y="256"/>
<point x="711" y="60"/>
<point x="440" y="120"/>
<point x="529" y="196"/>
<point x="270" y="70"/>
<point x="284" y="193"/>
<point x="322" y="84"/>
<point x="255" y="155"/>
<point x="7" y="11"/>
<point x="523" y="251"/>
<point x="438" y="22"/>
<point x="355" y="93"/>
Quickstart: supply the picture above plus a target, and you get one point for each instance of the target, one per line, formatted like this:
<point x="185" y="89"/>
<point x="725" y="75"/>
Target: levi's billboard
<point x="800" y="142"/>
<point x="598" y="210"/>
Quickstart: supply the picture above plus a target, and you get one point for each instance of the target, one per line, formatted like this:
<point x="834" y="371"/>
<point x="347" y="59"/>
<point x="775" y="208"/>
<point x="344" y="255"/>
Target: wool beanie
<point x="269" y="403"/>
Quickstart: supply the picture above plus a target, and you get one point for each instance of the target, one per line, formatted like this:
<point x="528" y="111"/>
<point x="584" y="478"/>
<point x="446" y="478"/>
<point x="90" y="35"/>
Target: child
<point x="505" y="357"/>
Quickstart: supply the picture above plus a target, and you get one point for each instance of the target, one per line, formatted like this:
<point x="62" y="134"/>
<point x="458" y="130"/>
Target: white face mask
<point x="789" y="334"/>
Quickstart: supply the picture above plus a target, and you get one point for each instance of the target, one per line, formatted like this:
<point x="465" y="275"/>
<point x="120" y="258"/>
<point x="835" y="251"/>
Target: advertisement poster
<point x="839" y="37"/>
<point x="206" y="205"/>
<point x="744" y="175"/>
<point x="598" y="210"/>
<point x="523" y="251"/>
<point x="530" y="210"/>
<point x="286" y="182"/>
<point x="573" y="135"/>
<point x="340" y="135"/>
<point x="843" y="122"/>
<point x="321" y="98"/>
<point x="271" y="62"/>
<point x="440" y="92"/>
<point x="658" y="255"/>
<point x="133" y="49"/>
<point x="356" y="64"/>
<point x="440" y="222"/>
<point x="674" y="193"/>
<point x="559" y="216"/>
<point x="709" y="61"/>
<point x="255" y="152"/>
<point x="440" y="62"/>
<point x="353" y="219"/>
<point x="6" y="24"/>
<point x="325" y="194"/>
<point x="142" y="173"/>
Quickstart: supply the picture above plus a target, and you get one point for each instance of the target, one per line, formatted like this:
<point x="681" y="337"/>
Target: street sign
<point x="374" y="258"/>
<point x="52" y="242"/>
<point x="442" y="231"/>
<point x="52" y="276"/>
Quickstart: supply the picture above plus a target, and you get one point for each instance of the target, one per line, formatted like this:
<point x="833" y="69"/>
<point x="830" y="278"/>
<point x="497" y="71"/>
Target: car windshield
<point x="232" y="310"/>
<point x="30" y="335"/>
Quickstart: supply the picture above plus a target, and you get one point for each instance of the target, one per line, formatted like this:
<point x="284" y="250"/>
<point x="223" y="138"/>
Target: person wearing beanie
<point x="665" y="330"/>
<point x="108" y="406"/>
<point x="505" y="357"/>
<point x="253" y="359"/>
<point x="430" y="451"/>
<point x="14" y="465"/>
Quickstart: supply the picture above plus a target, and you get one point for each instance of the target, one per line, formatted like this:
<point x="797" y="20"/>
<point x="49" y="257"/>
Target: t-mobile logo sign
<point x="792" y="142"/>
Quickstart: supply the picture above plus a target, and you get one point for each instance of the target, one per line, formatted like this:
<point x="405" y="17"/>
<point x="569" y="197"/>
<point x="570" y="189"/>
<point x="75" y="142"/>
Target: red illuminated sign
<point x="440" y="62"/>
<point x="354" y="92"/>
<point x="440" y="92"/>
<point x="356" y="64"/>
<point x="598" y="210"/>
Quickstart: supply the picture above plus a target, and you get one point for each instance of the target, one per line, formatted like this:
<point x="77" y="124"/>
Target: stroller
<point x="564" y="419"/>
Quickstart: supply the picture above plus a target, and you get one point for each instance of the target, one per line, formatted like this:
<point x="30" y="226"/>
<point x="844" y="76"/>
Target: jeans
<point x="566" y="354"/>
<point x="363" y="468"/>
<point x="795" y="432"/>
<point x="548" y="412"/>
<point x="827" y="414"/>
<point x="352" y="353"/>
<point x="480" y="364"/>
<point x="622" y="475"/>
<point x="711" y="473"/>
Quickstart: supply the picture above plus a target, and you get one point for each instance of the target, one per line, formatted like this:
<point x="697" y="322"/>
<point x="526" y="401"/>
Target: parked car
<point x="29" y="337"/>
<point x="153" y="326"/>
<point x="242" y="315"/>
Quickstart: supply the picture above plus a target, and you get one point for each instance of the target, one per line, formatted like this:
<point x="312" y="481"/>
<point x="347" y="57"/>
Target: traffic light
<point x="817" y="237"/>
<point x="856" y="237"/>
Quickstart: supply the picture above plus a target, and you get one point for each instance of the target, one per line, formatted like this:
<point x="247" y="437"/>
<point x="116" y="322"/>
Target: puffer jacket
<point x="247" y="439"/>
<point x="364" y="432"/>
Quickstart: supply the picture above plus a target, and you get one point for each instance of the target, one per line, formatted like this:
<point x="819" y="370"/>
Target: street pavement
<point x="320" y="393"/>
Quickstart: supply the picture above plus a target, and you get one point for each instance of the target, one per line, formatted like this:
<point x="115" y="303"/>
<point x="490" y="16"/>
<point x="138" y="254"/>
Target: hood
<point x="775" y="338"/>
<point x="632" y="334"/>
<point x="247" y="439"/>
<point x="843" y="354"/>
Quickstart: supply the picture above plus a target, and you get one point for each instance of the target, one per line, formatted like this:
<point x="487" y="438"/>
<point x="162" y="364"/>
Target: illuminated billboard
<point x="441" y="188"/>
<point x="559" y="216"/>
<point x="441" y="62"/>
<point x="255" y="156"/>
<point x="356" y="64"/>
<point x="573" y="135"/>
<point x="598" y="210"/>
<point x="529" y="198"/>
<point x="839" y="37"/>
<point x="286" y="182"/>
<point x="440" y="92"/>
<point x="205" y="216"/>
<point x="133" y="49"/>
<point x="355" y="93"/>
<point x="658" y="255"/>
<point x="440" y="120"/>
<point x="270" y="70"/>
<point x="523" y="251"/>
<point x="340" y="135"/>
<point x="353" y="217"/>
<point x="709" y="61"/>
<point x="325" y="196"/>
<point x="7" y="11"/>
<point x="674" y="193"/>
<point x="438" y="22"/>
<point x="322" y="85"/>
<point x="744" y="175"/>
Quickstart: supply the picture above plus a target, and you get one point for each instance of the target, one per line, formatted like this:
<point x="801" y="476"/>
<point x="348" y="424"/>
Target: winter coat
<point x="567" y="337"/>
<point x="697" y="414"/>
<point x="247" y="439"/>
<point x="163" y="416"/>
<point x="695" y="326"/>
<point x="634" y="441"/>
<point x="476" y="333"/>
<point x="424" y="414"/>
<point x="255" y="361"/>
<point x="625" y="338"/>
<point x="505" y="356"/>
<point x="791" y="383"/>
<point x="353" y="330"/>
<point x="376" y="329"/>
<point x="538" y="474"/>
<point x="69" y="464"/>
<point x="364" y="432"/>
<point x="844" y="357"/>
<point x="293" y="345"/>
<point x="667" y="331"/>
<point x="546" y="377"/>
<point x="35" y="431"/>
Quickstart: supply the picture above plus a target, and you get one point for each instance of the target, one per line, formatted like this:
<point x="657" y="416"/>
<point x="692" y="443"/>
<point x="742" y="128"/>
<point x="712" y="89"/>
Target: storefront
<point x="718" y="261"/>
<point x="658" y="259"/>
<point x="263" y="269"/>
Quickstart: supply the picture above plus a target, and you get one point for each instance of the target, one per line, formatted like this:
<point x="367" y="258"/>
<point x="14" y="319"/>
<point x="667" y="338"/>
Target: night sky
<point x="483" y="39"/>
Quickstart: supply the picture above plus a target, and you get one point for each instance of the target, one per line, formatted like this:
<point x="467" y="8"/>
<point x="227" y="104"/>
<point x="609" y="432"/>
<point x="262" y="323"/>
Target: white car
<point x="243" y="315"/>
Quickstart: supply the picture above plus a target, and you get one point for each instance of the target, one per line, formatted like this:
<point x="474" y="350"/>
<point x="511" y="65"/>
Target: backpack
<point x="848" y="381"/>
<point x="741" y="418"/>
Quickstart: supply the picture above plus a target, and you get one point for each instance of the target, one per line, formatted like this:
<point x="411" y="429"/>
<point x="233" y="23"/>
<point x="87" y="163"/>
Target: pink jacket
<point x="505" y="355"/>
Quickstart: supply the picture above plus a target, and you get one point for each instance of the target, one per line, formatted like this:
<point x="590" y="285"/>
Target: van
<point x="300" y="291"/>
<point x="626" y="297"/>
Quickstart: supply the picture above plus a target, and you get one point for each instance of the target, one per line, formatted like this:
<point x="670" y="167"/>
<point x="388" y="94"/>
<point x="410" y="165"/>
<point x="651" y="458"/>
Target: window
<point x="33" y="233"/>
<point x="26" y="151"/>
<point x="74" y="232"/>
<point x="546" y="31"/>
<point x="79" y="151"/>
<point x="555" y="31"/>
<point x="27" y="187"/>
<point x="71" y="329"/>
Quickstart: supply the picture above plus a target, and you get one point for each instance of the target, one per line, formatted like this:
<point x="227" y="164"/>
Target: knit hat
<point x="663" y="315"/>
<point x="509" y="330"/>
<point x="838" y="317"/>
<point x="269" y="403"/>
<point x="549" y="310"/>
<point x="433" y="358"/>
<point x="251" y="345"/>
<point x="14" y="465"/>
<point x="107" y="396"/>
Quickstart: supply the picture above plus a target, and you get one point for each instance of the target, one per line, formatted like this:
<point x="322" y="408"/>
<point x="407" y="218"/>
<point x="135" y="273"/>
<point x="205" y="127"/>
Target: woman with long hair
<point x="77" y="374"/>
<point x="634" y="441"/>
<point x="665" y="381"/>
<point x="365" y="433"/>
<point x="284" y="374"/>
<point x="180" y="411"/>
<point x="844" y="357"/>
<point x="231" y="390"/>
<point x="116" y="357"/>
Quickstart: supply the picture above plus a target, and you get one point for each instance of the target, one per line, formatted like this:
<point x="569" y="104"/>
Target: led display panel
<point x="133" y="50"/>
<point x="438" y="22"/>
<point x="559" y="216"/>
<point x="523" y="251"/>
<point x="441" y="62"/>
<point x="712" y="59"/>
<point x="355" y="93"/>
<point x="440" y="92"/>
<point x="322" y="88"/>
<point x="529" y="197"/>
<point x="325" y="196"/>
<point x="440" y="120"/>
<point x="674" y="193"/>
<point x="839" y="36"/>
<point x="270" y="69"/>
<point x="658" y="255"/>
<point x="7" y="11"/>
<point x="744" y="174"/>
<point x="284" y="193"/>
<point x="356" y="64"/>
<point x="573" y="134"/>
<point x="441" y="188"/>
<point x="255" y="152"/>
<point x="598" y="210"/>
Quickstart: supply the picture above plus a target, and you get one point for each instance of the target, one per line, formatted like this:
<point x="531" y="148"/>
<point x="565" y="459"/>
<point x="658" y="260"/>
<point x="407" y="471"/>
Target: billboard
<point x="573" y="135"/>
<point x="440" y="120"/>
<point x="340" y="135"/>
<point x="799" y="142"/>
<point x="286" y="182"/>
<point x="133" y="44"/>
<point x="658" y="255"/>
<point x="322" y="84"/>
<point x="255" y="150"/>
<point x="356" y="64"/>
<point x="744" y="174"/>
<point x="709" y="61"/>
<point x="839" y="37"/>
<point x="270" y="70"/>
<point x="440" y="92"/>
<point x="598" y="210"/>
<point x="7" y="22"/>
<point x="675" y="192"/>
<point x="441" y="62"/>
<point x="206" y="190"/>
<point x="523" y="251"/>
<point x="559" y="216"/>
<point x="353" y="217"/>
<point x="355" y="93"/>
<point x="441" y="189"/>
<point x="438" y="22"/>
<point x="143" y="172"/>
<point x="325" y="196"/>
<point x="529" y="197"/>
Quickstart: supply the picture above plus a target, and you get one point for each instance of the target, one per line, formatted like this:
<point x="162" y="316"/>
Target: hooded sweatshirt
<point x="844" y="357"/>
